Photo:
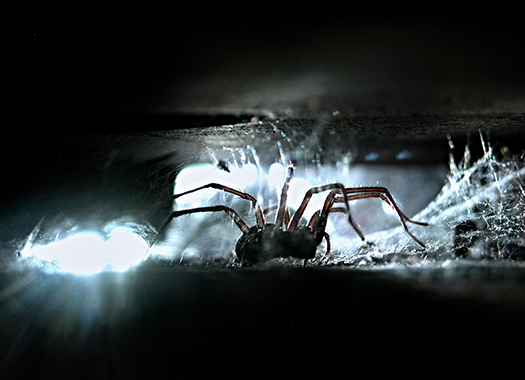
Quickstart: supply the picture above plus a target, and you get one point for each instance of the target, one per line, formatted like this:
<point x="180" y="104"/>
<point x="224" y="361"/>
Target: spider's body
<point x="285" y="238"/>
<point x="269" y="242"/>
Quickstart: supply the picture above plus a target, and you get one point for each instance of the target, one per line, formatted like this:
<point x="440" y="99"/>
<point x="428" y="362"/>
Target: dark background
<point x="92" y="94"/>
<point x="394" y="76"/>
<point x="366" y="61"/>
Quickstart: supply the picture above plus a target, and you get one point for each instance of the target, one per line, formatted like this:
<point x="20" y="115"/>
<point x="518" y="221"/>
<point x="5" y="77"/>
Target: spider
<point x="285" y="237"/>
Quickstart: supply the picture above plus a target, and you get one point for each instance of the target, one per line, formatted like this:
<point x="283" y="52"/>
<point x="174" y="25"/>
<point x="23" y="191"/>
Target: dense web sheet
<point x="479" y="213"/>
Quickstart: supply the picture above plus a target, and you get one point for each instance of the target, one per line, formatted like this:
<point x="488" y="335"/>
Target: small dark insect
<point x="285" y="238"/>
<point x="223" y="165"/>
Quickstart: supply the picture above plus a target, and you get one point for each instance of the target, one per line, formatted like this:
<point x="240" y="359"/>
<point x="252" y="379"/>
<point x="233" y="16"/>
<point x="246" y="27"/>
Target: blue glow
<point x="404" y="155"/>
<point x="373" y="156"/>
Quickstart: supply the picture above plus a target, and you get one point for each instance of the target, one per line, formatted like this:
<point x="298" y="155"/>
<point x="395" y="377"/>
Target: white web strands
<point x="488" y="195"/>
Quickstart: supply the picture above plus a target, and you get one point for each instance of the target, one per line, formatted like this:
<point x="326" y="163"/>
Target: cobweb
<point x="478" y="214"/>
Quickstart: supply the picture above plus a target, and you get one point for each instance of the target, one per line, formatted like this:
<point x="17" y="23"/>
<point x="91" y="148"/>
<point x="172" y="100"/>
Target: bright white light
<point x="275" y="175"/>
<point x="125" y="249"/>
<point x="89" y="253"/>
<point x="296" y="193"/>
<point x="195" y="176"/>
<point x="389" y="210"/>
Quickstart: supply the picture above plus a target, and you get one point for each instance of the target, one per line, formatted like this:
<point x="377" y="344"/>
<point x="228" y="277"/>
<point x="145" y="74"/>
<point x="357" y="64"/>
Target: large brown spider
<point x="285" y="238"/>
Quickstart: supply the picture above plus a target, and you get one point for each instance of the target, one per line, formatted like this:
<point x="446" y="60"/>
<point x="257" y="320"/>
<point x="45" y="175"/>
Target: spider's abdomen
<point x="268" y="242"/>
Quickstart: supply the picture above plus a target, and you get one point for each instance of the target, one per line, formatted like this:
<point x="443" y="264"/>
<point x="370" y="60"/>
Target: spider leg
<point x="327" y="237"/>
<point x="236" y="218"/>
<point x="279" y="218"/>
<point x="328" y="247"/>
<point x="379" y="195"/>
<point x="258" y="213"/>
<point x="327" y="208"/>
<point x="287" y="217"/>
<point x="313" y="219"/>
<point x="336" y="188"/>
<point x="268" y="210"/>
<point x="384" y="194"/>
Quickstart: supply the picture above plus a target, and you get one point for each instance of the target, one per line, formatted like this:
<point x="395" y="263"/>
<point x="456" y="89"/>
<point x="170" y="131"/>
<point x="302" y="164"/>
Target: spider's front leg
<point x="282" y="211"/>
<point x="258" y="212"/>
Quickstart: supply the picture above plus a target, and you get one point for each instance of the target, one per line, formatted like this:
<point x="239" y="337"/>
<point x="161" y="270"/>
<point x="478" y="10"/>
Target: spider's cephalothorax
<point x="285" y="238"/>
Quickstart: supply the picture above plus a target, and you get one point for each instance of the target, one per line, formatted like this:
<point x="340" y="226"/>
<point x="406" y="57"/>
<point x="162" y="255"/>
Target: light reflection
<point x="89" y="252"/>
<point x="296" y="193"/>
<point x="372" y="156"/>
<point x="404" y="155"/>
<point x="239" y="177"/>
<point x="275" y="175"/>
